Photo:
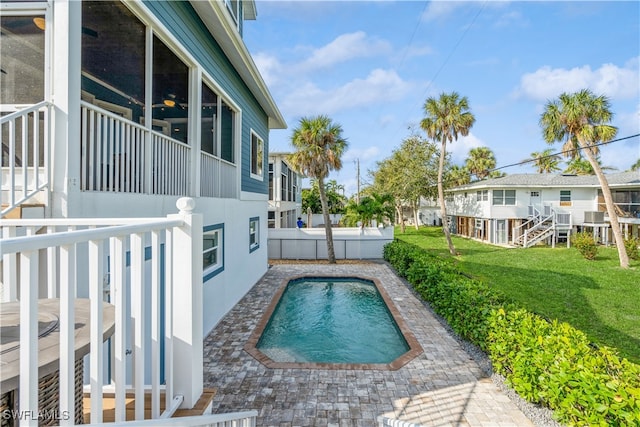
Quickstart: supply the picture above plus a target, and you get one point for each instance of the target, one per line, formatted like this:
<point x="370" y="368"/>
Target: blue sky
<point x="370" y="66"/>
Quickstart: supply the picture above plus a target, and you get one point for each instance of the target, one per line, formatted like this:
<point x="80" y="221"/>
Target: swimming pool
<point x="332" y="321"/>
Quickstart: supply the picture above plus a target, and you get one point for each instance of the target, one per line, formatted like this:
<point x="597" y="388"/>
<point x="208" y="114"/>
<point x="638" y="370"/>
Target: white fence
<point x="37" y="252"/>
<point x="310" y="243"/>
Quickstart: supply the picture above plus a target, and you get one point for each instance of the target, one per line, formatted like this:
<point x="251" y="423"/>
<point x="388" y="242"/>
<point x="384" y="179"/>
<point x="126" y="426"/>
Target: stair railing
<point x="76" y="256"/>
<point x="25" y="154"/>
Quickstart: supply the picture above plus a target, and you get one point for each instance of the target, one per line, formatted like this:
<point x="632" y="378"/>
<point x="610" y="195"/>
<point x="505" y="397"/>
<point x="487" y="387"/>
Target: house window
<point x="257" y="156"/>
<point x="254" y="233"/>
<point x="482" y="196"/>
<point x="565" y="197"/>
<point x="208" y="121"/>
<point x="271" y="219"/>
<point x="535" y="194"/>
<point x="227" y="133"/>
<point x="284" y="184"/>
<point x="23" y="53"/>
<point x="504" y="197"/>
<point x="170" y="92"/>
<point x="212" y="251"/>
<point x="271" y="196"/>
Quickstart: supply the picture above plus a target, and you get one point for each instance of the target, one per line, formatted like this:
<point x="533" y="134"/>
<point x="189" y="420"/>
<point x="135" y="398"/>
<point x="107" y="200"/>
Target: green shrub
<point x="548" y="363"/>
<point x="400" y="256"/>
<point x="553" y="364"/>
<point x="631" y="245"/>
<point x="586" y="245"/>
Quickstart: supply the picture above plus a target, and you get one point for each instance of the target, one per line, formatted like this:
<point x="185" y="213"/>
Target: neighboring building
<point x="428" y="213"/>
<point x="117" y="109"/>
<point x="523" y="209"/>
<point x="285" y="189"/>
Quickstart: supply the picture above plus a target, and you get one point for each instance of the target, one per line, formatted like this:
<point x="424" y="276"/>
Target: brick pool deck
<point x="443" y="386"/>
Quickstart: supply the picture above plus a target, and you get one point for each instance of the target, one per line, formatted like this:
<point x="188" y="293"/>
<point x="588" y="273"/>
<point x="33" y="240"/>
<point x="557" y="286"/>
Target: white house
<point x="112" y="111"/>
<point x="523" y="209"/>
<point x="285" y="189"/>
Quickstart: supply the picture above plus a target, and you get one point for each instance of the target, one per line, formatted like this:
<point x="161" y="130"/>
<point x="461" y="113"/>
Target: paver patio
<point x="443" y="386"/>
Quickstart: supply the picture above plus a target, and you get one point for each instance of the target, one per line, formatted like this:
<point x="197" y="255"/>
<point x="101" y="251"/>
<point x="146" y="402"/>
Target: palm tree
<point x="583" y="117"/>
<point x="457" y="175"/>
<point x="580" y="166"/>
<point x="545" y="161"/>
<point x="480" y="161"/>
<point x="635" y="166"/>
<point x="445" y="119"/>
<point x="319" y="146"/>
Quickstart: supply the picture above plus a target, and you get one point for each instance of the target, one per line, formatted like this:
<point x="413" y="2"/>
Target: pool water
<point x="332" y="320"/>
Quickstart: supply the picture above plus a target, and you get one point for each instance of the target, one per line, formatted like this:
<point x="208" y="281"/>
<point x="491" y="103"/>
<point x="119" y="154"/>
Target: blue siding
<point x="180" y="18"/>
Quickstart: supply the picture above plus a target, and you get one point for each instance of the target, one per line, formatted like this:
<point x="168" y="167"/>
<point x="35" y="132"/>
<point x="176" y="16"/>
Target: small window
<point x="504" y="197"/>
<point x="509" y="197"/>
<point x="482" y="196"/>
<point x="212" y="250"/>
<point x="535" y="194"/>
<point x="498" y="197"/>
<point x="565" y="197"/>
<point x="254" y="234"/>
<point x="257" y="156"/>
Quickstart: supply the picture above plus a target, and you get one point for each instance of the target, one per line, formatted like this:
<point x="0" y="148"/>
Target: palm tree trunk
<point x="443" y="208"/>
<point x="327" y="221"/>
<point x="608" y="200"/>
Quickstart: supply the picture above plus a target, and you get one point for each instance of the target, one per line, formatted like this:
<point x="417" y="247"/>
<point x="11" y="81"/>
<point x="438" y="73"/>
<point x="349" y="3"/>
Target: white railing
<point x="25" y="154"/>
<point x="540" y="226"/>
<point x="232" y="419"/>
<point x="218" y="178"/>
<point x="120" y="155"/>
<point x="76" y="261"/>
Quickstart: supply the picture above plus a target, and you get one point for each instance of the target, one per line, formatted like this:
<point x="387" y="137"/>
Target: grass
<point x="597" y="297"/>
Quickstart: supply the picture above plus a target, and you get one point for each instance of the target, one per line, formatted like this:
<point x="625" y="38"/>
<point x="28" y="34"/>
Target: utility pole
<point x="358" y="180"/>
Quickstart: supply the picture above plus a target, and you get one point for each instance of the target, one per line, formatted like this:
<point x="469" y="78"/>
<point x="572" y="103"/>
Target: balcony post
<point x="187" y="304"/>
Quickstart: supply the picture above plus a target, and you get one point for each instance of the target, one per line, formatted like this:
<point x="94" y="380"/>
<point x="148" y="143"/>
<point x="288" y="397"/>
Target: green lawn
<point x="597" y="297"/>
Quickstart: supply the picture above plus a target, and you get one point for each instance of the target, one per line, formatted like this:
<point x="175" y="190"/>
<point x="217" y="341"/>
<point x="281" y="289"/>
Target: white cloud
<point x="269" y="67"/>
<point x="511" y="19"/>
<point x="363" y="154"/>
<point x="346" y="47"/>
<point x="459" y="149"/>
<point x="380" y="85"/>
<point x="610" y="80"/>
<point x="440" y="9"/>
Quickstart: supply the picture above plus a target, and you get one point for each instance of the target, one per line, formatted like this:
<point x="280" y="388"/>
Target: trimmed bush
<point x="586" y="245"/>
<point x="554" y="365"/>
<point x="631" y="244"/>
<point x="548" y="363"/>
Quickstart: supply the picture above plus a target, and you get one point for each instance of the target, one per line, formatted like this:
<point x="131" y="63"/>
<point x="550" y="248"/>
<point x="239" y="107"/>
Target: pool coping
<point x="415" y="349"/>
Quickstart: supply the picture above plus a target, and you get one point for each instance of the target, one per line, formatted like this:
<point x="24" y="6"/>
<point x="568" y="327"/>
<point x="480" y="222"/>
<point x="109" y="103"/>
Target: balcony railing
<point x="25" y="136"/>
<point x="119" y="155"/>
<point x="218" y="178"/>
<point x="129" y="267"/>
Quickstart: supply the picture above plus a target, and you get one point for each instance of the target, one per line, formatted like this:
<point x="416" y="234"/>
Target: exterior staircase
<point x="202" y="406"/>
<point x="541" y="225"/>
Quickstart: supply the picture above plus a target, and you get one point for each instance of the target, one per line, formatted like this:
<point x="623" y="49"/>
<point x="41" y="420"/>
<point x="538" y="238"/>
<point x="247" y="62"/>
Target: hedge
<point x="549" y="363"/>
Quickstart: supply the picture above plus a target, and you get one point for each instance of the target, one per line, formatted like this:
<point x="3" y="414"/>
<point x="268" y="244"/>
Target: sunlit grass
<point x="597" y="297"/>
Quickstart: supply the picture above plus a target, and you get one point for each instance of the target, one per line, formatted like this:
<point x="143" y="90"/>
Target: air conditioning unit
<point x="594" y="217"/>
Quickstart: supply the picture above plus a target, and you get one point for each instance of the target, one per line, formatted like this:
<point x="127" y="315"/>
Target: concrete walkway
<point x="442" y="386"/>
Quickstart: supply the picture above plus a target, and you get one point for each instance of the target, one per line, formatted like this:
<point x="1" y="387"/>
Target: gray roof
<point x="622" y="179"/>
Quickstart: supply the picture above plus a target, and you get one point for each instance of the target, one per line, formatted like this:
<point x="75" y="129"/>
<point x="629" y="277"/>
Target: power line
<point x="455" y="47"/>
<point x="451" y="52"/>
<point x="564" y="152"/>
<point x="445" y="181"/>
